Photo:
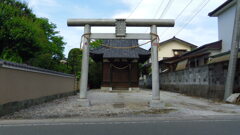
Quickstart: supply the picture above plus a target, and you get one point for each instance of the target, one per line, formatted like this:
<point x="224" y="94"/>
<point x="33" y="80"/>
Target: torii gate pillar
<point x="155" y="102"/>
<point x="84" y="70"/>
<point x="120" y="25"/>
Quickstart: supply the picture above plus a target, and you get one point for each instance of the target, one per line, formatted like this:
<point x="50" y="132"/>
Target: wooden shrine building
<point x="120" y="66"/>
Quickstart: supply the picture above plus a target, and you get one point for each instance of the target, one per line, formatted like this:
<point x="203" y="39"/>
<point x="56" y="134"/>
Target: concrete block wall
<point x="206" y="81"/>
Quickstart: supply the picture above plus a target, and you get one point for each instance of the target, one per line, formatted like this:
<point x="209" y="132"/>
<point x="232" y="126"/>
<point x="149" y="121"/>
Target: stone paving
<point x="125" y="103"/>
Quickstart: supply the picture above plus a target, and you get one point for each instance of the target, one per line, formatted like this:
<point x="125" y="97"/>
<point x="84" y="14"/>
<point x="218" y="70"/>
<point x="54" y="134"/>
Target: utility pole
<point x="233" y="54"/>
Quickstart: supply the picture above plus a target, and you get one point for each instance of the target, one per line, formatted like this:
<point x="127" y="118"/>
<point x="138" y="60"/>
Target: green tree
<point x="95" y="44"/>
<point x="75" y="60"/>
<point x="52" y="50"/>
<point x="10" y="56"/>
<point x="26" y="38"/>
<point x="18" y="31"/>
<point x="95" y="68"/>
<point x="94" y="74"/>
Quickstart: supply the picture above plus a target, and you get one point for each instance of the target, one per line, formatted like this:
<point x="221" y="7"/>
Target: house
<point x="120" y="66"/>
<point x="197" y="57"/>
<point x="212" y="52"/>
<point x="202" y="55"/>
<point x="174" y="47"/>
<point x="226" y="16"/>
<point x="169" y="50"/>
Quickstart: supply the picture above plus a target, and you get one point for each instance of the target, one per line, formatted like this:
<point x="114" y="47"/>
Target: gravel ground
<point x="125" y="103"/>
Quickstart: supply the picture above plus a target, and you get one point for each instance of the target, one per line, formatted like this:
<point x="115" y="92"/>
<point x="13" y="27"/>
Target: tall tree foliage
<point x="26" y="38"/>
<point x="95" y="68"/>
<point x="75" y="61"/>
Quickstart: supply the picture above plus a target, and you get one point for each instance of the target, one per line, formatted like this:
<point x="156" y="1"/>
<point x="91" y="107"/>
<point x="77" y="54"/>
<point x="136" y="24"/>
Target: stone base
<point x="156" y="104"/>
<point x="130" y="89"/>
<point x="84" y="102"/>
<point x="106" y="88"/>
<point x="135" y="88"/>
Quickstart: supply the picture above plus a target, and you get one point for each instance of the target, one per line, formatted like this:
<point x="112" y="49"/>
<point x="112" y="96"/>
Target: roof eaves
<point x="178" y="40"/>
<point x="205" y="47"/>
<point x="190" y="56"/>
<point x="222" y="54"/>
<point x="169" y="59"/>
<point x="222" y="8"/>
<point x="25" y="67"/>
<point x="185" y="42"/>
<point x="166" y="41"/>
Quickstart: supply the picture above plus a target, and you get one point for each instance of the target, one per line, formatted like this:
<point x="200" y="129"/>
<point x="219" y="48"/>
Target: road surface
<point x="219" y="126"/>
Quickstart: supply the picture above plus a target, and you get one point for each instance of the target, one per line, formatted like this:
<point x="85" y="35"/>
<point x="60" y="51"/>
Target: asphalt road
<point x="144" y="127"/>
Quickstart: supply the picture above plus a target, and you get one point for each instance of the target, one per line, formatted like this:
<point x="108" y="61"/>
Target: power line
<point x="184" y="9"/>
<point x="158" y="9"/>
<point x="200" y="6"/>
<point x="179" y="15"/>
<point x="166" y="8"/>
<point x="207" y="1"/>
<point x="140" y="1"/>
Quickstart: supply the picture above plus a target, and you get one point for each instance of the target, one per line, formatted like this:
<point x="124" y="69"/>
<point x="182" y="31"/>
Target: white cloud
<point x="145" y="10"/>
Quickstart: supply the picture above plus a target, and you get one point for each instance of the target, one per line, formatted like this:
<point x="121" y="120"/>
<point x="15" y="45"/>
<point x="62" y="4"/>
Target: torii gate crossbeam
<point x="120" y="25"/>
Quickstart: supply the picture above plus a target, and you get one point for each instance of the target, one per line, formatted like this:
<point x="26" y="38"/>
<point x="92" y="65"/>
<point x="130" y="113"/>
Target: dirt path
<point x="125" y="103"/>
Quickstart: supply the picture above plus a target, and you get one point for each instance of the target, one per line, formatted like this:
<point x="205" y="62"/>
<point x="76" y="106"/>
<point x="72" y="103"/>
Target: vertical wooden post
<point x="129" y="76"/>
<point x="110" y="77"/>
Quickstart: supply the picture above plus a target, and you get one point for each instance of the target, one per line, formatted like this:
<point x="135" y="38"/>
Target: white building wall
<point x="225" y="27"/>
<point x="166" y="50"/>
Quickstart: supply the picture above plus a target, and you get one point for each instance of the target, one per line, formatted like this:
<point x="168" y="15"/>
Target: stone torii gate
<point x="120" y="28"/>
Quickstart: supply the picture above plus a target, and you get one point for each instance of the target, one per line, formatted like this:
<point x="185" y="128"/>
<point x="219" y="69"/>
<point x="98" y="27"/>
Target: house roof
<point x="210" y="46"/>
<point x="222" y="54"/>
<point x="133" y="53"/>
<point x="178" y="40"/>
<point x="222" y="8"/>
<point x="200" y="51"/>
<point x="221" y="57"/>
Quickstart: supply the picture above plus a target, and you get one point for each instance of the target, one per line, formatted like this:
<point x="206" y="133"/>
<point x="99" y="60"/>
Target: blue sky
<point x="201" y="30"/>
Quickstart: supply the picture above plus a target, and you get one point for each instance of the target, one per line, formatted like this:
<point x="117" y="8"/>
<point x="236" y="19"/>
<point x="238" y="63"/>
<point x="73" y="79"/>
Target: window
<point x="177" y="52"/>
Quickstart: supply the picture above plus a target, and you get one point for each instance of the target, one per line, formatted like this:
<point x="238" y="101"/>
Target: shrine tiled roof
<point x="133" y="53"/>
